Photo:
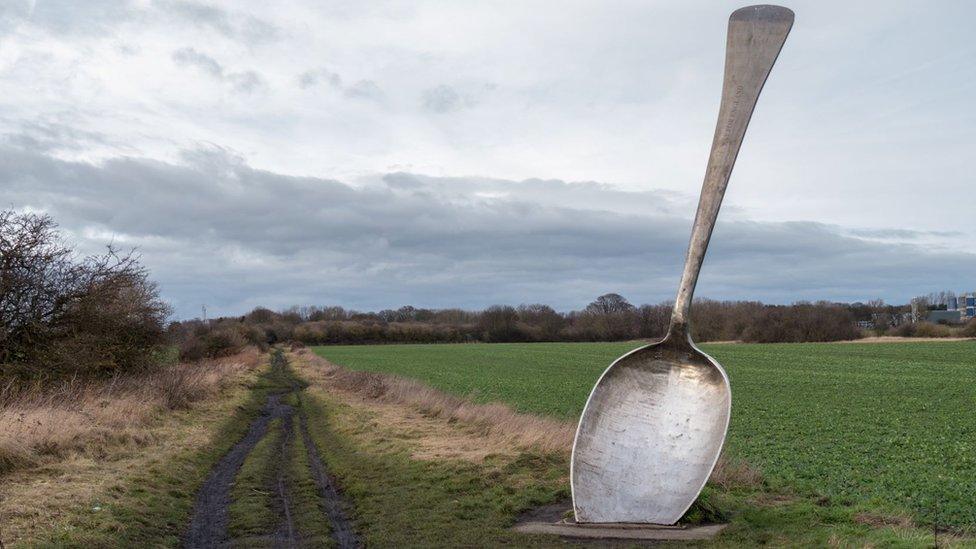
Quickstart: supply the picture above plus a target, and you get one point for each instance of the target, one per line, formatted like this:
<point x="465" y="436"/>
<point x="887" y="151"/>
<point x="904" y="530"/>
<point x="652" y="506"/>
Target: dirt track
<point x="210" y="517"/>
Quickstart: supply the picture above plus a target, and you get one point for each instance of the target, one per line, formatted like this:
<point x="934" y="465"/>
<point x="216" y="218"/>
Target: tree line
<point x="61" y="313"/>
<point x="609" y="317"/>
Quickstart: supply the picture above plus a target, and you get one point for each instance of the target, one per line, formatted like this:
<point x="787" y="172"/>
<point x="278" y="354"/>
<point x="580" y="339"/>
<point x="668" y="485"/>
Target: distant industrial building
<point x="958" y="310"/>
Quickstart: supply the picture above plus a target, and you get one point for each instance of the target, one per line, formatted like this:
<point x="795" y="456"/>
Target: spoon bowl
<point x="671" y="402"/>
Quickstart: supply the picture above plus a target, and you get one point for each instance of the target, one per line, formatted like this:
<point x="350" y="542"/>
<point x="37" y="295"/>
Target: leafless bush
<point x="928" y="329"/>
<point x="801" y="322"/>
<point x="969" y="330"/>
<point x="59" y="313"/>
<point x="213" y="342"/>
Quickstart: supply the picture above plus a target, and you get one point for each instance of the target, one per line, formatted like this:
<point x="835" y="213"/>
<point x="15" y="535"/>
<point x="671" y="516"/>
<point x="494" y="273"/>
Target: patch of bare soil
<point x="880" y="521"/>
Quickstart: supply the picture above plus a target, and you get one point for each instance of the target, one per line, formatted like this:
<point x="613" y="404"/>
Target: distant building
<point x="944" y="317"/>
<point x="958" y="309"/>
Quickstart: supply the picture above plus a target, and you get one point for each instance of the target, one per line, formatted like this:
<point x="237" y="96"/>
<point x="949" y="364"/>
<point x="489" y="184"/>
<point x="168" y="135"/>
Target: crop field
<point x="883" y="426"/>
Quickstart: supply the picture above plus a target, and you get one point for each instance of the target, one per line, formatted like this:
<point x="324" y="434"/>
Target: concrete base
<point x="571" y="529"/>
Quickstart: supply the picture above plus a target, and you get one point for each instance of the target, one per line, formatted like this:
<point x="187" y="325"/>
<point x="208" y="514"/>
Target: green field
<point x="880" y="426"/>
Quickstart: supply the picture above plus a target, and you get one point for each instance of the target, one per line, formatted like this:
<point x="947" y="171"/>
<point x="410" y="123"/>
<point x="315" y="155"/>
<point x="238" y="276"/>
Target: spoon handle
<point x="756" y="35"/>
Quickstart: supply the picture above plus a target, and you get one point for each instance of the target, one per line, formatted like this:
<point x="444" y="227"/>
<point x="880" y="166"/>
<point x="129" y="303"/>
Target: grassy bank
<point x="873" y="428"/>
<point x="133" y="494"/>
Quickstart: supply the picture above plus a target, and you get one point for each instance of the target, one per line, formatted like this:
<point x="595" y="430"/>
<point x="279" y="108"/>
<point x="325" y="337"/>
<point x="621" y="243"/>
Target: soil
<point x="209" y="520"/>
<point x="553" y="512"/>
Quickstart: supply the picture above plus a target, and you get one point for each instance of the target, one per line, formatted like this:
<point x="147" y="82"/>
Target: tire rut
<point x="285" y="535"/>
<point x="342" y="529"/>
<point x="208" y="527"/>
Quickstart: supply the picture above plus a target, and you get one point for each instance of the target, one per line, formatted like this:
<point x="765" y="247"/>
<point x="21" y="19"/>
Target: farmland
<point x="881" y="426"/>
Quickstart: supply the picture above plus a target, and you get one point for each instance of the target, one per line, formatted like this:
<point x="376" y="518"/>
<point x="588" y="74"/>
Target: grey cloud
<point x="365" y="89"/>
<point x="443" y="99"/>
<point x="361" y="89"/>
<point x="217" y="231"/>
<point x="899" y="234"/>
<point x="242" y="27"/>
<point x="66" y="17"/>
<point x="99" y="17"/>
<point x="202" y="61"/>
<point x="47" y="136"/>
<point x="312" y="77"/>
<point x="244" y="81"/>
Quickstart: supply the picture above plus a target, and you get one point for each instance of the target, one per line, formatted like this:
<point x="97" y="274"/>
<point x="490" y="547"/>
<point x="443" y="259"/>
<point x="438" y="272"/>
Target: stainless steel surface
<point x="654" y="425"/>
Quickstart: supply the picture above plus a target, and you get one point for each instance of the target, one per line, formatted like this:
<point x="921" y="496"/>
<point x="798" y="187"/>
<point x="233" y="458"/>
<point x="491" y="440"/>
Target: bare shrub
<point x="820" y="321"/>
<point x="969" y="330"/>
<point x="60" y="314"/>
<point x="902" y="330"/>
<point x="928" y="329"/>
<point x="181" y="386"/>
<point x="211" y="342"/>
<point x="223" y="342"/>
<point x="192" y="348"/>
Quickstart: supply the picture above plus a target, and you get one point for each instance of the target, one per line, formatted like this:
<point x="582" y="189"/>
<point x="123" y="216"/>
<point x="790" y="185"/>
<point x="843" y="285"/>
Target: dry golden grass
<point x="89" y="464"/>
<point x="496" y="422"/>
<point x="880" y="521"/>
<point x="40" y="424"/>
<point x="733" y="473"/>
<point x="469" y="430"/>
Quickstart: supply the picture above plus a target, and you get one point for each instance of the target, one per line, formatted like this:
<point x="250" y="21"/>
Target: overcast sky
<point x="376" y="154"/>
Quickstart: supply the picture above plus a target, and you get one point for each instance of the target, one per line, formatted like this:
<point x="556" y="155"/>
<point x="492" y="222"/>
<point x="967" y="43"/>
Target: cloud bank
<point x="216" y="231"/>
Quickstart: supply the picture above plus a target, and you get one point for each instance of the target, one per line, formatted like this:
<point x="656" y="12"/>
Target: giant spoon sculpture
<point x="653" y="427"/>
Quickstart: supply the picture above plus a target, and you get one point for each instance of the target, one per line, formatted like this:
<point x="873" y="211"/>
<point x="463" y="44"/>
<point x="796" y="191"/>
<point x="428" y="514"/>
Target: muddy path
<point x="209" y="521"/>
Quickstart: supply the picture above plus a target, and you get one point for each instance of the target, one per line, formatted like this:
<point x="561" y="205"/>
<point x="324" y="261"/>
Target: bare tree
<point x="500" y="323"/>
<point x="57" y="308"/>
<point x="608" y="304"/>
<point x="543" y="320"/>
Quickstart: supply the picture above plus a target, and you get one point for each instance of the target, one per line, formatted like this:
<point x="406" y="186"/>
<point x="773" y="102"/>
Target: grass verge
<point x="404" y="502"/>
